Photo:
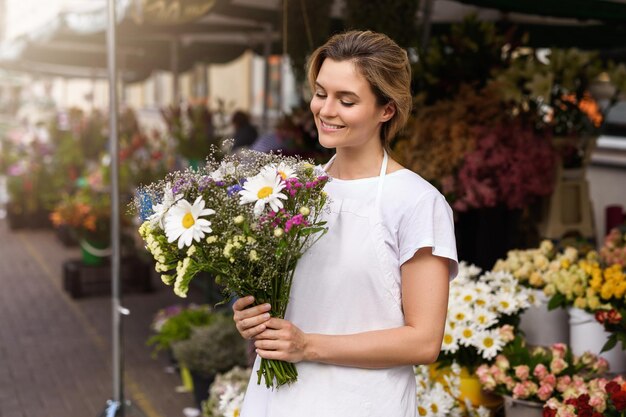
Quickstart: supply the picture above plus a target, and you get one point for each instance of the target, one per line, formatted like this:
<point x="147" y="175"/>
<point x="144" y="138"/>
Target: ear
<point x="388" y="112"/>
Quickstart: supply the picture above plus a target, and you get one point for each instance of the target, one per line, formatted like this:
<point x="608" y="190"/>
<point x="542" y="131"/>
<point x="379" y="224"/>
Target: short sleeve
<point x="429" y="223"/>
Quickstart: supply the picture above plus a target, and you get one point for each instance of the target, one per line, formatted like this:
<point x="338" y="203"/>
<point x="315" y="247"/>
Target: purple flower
<point x="297" y="220"/>
<point x="233" y="189"/>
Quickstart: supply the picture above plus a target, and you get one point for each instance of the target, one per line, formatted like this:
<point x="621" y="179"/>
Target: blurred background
<point x="519" y="119"/>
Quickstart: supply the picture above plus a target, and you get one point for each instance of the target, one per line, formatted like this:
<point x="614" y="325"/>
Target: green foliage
<point x="468" y="53"/>
<point x="214" y="348"/>
<point x="179" y="327"/>
<point x="395" y="18"/>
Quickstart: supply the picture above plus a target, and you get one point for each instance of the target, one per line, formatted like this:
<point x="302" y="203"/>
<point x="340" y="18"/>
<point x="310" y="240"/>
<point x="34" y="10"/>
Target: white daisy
<point x="284" y="170"/>
<point x="489" y="343"/>
<point x="264" y="188"/>
<point x="161" y="209"/>
<point x="459" y="314"/>
<point x="506" y="303"/>
<point x="440" y="401"/>
<point x="225" y="169"/>
<point x="183" y="222"/>
<point x="485" y="317"/>
<point x="466" y="334"/>
<point x="450" y="343"/>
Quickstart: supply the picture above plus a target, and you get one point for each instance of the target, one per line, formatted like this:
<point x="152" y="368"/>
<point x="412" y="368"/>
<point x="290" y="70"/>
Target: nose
<point x="328" y="109"/>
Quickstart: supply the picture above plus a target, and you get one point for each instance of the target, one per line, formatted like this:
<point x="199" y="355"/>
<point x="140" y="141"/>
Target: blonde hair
<point x="383" y="64"/>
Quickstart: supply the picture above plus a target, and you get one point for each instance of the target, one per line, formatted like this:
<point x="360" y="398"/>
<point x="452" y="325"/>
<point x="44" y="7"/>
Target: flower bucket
<point x="586" y="334"/>
<point x="470" y="388"/>
<point x="94" y="253"/>
<point x="521" y="408"/>
<point x="543" y="327"/>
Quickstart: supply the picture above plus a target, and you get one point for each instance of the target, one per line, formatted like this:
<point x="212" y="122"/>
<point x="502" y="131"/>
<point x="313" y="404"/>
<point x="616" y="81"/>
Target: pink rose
<point x="563" y="383"/>
<point x="502" y="362"/>
<point x="549" y="379"/>
<point x="601" y="366"/>
<point x="545" y="392"/>
<point x="558" y="365"/>
<point x="507" y="333"/>
<point x="510" y="383"/>
<point x="522" y="372"/>
<point x="598" y="402"/>
<point x="520" y="391"/>
<point x="558" y="350"/>
<point x="540" y="371"/>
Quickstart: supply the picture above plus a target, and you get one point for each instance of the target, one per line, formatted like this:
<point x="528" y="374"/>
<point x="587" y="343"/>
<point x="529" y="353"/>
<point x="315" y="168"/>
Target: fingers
<point x="242" y="303"/>
<point x="250" y="321"/>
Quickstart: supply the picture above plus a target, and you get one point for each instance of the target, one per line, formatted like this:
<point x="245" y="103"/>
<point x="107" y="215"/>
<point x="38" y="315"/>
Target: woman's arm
<point x="424" y="301"/>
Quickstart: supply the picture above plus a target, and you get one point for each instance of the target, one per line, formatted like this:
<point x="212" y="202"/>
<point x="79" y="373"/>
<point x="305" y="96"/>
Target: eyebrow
<point x="340" y="93"/>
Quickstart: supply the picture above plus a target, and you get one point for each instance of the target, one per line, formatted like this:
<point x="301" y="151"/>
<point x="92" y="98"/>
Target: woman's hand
<point x="282" y="341"/>
<point x="250" y="321"/>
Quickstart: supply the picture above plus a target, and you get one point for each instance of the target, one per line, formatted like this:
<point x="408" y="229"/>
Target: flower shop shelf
<point x="80" y="280"/>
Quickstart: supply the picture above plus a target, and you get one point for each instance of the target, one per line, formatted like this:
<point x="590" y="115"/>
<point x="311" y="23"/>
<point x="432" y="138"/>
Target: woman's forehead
<point x="341" y="75"/>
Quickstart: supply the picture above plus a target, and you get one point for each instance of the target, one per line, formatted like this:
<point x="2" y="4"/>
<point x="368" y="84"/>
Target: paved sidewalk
<point x="55" y="357"/>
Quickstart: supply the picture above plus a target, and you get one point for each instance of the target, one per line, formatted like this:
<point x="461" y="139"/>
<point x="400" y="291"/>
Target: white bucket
<point x="586" y="334"/>
<point x="521" y="408"/>
<point x="543" y="327"/>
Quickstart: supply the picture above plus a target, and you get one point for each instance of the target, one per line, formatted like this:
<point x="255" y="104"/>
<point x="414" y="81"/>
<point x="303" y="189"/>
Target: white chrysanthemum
<point x="441" y="403"/>
<point x="225" y="169"/>
<point x="506" y="302"/>
<point x="284" y="170"/>
<point x="230" y="401"/>
<point x="484" y="317"/>
<point x="183" y="222"/>
<point x="264" y="188"/>
<point x="161" y="209"/>
<point x="459" y="314"/>
<point x="450" y="343"/>
<point x="489" y="343"/>
<point x="467" y="296"/>
<point x="466" y="334"/>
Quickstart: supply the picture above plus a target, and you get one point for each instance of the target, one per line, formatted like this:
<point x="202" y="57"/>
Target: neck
<point x="357" y="162"/>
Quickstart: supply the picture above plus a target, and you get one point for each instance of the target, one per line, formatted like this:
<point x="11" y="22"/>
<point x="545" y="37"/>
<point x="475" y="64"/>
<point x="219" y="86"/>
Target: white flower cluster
<point x="441" y="396"/>
<point x="477" y="305"/>
<point x="227" y="392"/>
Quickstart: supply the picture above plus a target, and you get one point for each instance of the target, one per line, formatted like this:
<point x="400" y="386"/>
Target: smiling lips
<point x="328" y="126"/>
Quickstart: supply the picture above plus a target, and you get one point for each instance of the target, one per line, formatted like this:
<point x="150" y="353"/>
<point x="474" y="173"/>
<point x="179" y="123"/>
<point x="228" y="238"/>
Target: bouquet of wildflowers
<point x="246" y="220"/>
<point x="483" y="311"/>
<point x="538" y="374"/>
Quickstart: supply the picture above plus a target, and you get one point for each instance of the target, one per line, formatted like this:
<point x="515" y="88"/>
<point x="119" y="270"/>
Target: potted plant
<point x="174" y="323"/>
<point x="211" y="349"/>
<point x="527" y="377"/>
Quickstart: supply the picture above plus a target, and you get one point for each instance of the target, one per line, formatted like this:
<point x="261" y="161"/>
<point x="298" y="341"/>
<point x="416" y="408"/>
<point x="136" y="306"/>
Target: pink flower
<point x="545" y="392"/>
<point x="540" y="371"/>
<point x="502" y="362"/>
<point x="598" y="402"/>
<point x="558" y="365"/>
<point x="563" y="382"/>
<point x="522" y="372"/>
<point x="507" y="333"/>
<point x="549" y="379"/>
<point x="520" y="391"/>
<point x="558" y="350"/>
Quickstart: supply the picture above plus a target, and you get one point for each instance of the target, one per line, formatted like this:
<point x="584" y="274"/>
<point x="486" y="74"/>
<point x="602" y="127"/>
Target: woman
<point x="369" y="299"/>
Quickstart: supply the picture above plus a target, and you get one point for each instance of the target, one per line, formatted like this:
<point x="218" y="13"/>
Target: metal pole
<point x="267" y="48"/>
<point x="175" y="71"/>
<point x="115" y="215"/>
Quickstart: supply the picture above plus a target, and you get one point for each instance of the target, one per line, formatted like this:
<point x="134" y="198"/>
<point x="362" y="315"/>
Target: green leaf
<point x="557" y="300"/>
<point x="610" y="344"/>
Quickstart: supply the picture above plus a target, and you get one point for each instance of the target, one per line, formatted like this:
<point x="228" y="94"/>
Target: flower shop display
<point x="540" y="325"/>
<point x="246" y="220"/>
<point x="537" y="374"/>
<point x="175" y="323"/>
<point x="216" y="347"/>
<point x="597" y="398"/>
<point x="483" y="312"/>
<point x="226" y="393"/>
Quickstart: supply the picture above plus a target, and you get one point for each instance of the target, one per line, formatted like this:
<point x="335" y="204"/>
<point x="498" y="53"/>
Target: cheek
<point x="315" y="105"/>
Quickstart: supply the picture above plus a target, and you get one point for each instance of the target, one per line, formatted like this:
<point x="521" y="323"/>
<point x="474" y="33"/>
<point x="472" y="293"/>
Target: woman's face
<point x="344" y="107"/>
